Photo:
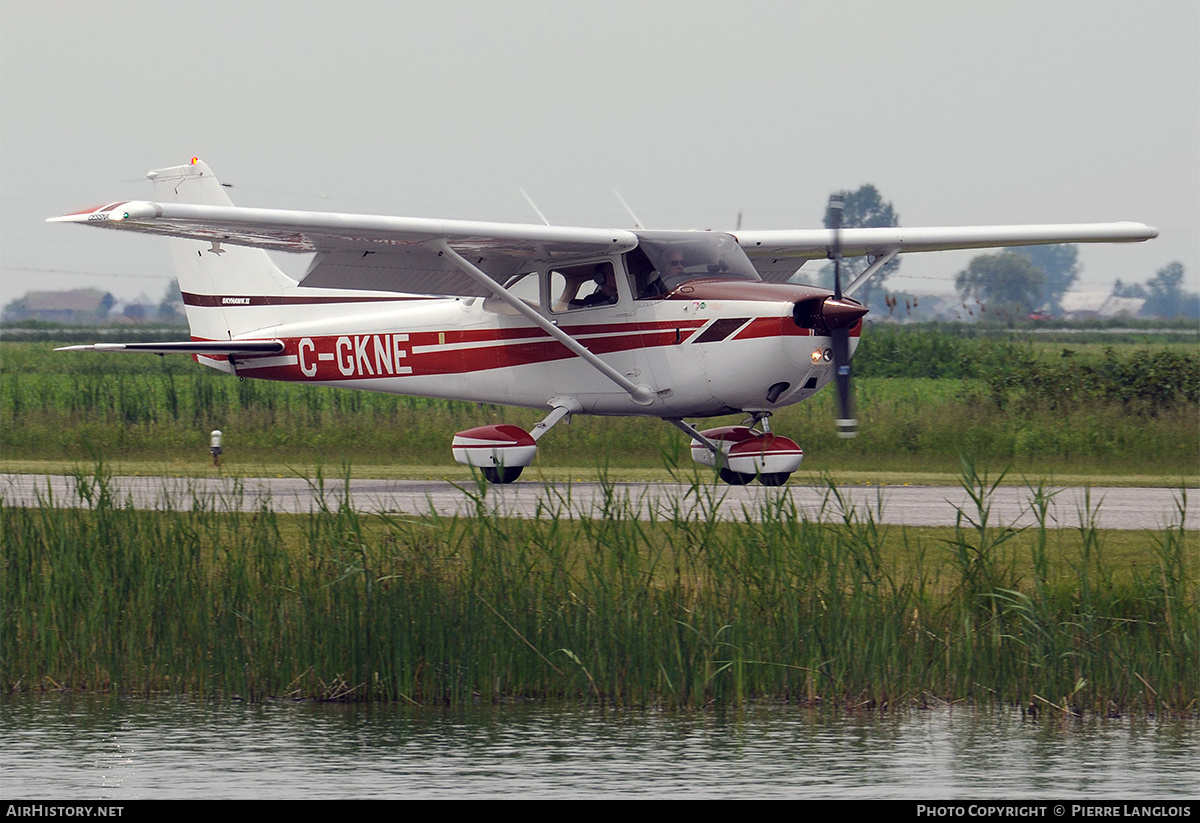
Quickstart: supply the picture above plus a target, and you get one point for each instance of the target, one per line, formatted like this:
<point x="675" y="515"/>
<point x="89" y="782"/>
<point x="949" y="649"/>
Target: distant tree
<point x="864" y="208"/>
<point x="1060" y="265"/>
<point x="1165" y="296"/>
<point x="1008" y="284"/>
<point x="170" y="310"/>
<point x="16" y="310"/>
<point x="1131" y="290"/>
<point x="106" y="304"/>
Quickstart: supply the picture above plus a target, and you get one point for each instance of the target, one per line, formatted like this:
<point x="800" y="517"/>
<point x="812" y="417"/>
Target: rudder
<point x="219" y="282"/>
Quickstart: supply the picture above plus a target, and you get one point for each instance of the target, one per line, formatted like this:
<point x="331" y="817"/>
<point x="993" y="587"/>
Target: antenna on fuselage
<point x="637" y="224"/>
<point x="533" y="205"/>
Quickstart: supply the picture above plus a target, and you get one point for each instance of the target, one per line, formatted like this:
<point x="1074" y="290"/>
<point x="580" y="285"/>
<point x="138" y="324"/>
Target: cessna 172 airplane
<point x="667" y="324"/>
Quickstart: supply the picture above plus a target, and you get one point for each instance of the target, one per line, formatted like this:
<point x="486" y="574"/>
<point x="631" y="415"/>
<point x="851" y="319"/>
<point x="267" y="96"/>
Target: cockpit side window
<point x="644" y="278"/>
<point x="524" y="286"/>
<point x="585" y="286"/>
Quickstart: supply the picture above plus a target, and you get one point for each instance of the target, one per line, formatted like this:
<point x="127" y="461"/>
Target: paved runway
<point x="1112" y="508"/>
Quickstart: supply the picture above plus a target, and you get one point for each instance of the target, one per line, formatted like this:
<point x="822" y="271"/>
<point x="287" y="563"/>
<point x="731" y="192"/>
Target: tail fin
<point x="219" y="283"/>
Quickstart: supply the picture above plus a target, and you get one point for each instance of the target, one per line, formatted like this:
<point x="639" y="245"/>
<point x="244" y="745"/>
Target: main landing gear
<point x="501" y="474"/>
<point x="502" y="451"/>
<point x="741" y="454"/>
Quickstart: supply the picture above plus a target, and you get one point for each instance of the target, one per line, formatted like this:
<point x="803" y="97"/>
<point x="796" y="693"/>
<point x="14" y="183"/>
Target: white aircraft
<point x="667" y="324"/>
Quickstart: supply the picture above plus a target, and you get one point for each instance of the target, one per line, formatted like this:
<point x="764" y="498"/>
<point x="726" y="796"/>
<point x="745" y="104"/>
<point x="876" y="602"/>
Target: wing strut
<point x="877" y="264"/>
<point x="642" y="394"/>
<point x="692" y="432"/>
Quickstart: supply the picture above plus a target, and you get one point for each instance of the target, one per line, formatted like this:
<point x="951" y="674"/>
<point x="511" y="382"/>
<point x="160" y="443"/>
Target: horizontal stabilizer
<point x="231" y="347"/>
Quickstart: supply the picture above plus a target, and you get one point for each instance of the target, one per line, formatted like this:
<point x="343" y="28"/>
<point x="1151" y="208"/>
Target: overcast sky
<point x="959" y="113"/>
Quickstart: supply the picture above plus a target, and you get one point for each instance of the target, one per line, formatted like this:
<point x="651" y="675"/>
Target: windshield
<point x="663" y="260"/>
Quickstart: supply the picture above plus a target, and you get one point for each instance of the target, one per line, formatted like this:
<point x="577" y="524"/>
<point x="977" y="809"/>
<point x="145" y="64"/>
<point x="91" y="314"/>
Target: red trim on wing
<point x="97" y="209"/>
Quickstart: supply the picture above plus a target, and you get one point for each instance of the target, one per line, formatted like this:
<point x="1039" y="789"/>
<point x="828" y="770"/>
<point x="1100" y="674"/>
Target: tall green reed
<point x="616" y="606"/>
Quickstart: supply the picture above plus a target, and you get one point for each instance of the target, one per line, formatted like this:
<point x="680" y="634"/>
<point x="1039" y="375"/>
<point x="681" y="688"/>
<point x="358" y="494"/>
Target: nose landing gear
<point x="741" y="454"/>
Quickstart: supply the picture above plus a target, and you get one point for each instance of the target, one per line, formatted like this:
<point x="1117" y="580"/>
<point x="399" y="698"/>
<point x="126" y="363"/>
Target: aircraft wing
<point x="404" y="254"/>
<point x="778" y="254"/>
<point x="356" y="251"/>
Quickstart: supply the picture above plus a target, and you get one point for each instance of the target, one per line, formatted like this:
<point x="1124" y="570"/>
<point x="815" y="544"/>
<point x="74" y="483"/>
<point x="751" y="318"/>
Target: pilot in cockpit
<point x="606" y="289"/>
<point x="648" y="280"/>
<point x="673" y="263"/>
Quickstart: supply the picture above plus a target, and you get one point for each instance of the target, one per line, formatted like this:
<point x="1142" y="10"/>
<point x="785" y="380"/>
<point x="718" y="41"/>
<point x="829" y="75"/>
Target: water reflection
<point x="74" y="747"/>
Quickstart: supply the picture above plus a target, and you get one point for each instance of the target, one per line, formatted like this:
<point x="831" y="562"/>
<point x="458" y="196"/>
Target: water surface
<point x="94" y="747"/>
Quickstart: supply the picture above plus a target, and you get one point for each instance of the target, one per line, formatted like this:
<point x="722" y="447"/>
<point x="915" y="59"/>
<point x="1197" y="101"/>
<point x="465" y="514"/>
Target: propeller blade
<point x="847" y="423"/>
<point x="840" y="314"/>
<point x="835" y="223"/>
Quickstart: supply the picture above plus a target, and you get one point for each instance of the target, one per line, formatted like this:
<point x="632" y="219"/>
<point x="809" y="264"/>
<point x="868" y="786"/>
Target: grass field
<point x="1128" y="413"/>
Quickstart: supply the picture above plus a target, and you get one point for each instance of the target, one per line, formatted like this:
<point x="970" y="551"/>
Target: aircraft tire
<point x="774" y="478"/>
<point x="735" y="478"/>
<point x="501" y="474"/>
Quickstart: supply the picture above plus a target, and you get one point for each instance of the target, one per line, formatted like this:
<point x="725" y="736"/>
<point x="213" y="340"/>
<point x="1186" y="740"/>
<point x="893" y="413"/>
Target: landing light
<point x="816" y="356"/>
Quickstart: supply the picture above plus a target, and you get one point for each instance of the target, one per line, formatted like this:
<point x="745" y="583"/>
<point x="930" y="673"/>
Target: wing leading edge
<point x="778" y="254"/>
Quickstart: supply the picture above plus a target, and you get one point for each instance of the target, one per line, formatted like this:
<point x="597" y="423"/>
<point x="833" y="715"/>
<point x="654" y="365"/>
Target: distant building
<point x="76" y="306"/>
<point x="138" y="310"/>
<point x="1085" y="305"/>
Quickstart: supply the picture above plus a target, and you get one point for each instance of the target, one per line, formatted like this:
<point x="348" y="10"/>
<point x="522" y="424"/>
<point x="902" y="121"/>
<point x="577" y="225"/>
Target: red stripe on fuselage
<point x="228" y="300"/>
<point x="772" y="327"/>
<point x="327" y="358"/>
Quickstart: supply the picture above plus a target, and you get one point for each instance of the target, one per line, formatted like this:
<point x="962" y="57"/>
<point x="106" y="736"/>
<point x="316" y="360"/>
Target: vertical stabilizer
<point x="219" y="282"/>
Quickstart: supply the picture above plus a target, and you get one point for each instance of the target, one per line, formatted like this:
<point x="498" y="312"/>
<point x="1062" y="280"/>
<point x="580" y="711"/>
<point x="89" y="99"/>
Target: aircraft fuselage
<point x="710" y="347"/>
